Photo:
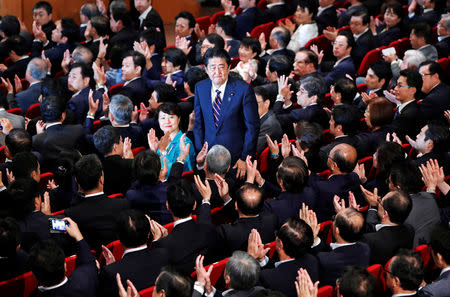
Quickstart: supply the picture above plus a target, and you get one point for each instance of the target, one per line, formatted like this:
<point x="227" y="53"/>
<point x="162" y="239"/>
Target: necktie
<point x="397" y="112"/>
<point x="216" y="108"/>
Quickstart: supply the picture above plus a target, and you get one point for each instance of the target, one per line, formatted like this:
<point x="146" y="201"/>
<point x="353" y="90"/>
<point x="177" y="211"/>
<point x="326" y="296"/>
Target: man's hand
<point x="315" y="49"/>
<point x="241" y="168"/>
<point x="283" y="87"/>
<point x="51" y="185"/>
<point x="6" y="126"/>
<point x="273" y="145"/>
<point x="371" y="198"/>
<point x="131" y="290"/>
<point x="73" y="230"/>
<point x="288" y="24"/>
<point x="45" y="205"/>
<point x="304" y="285"/>
<point x="135" y="114"/>
<point x="361" y="172"/>
<point x="40" y="127"/>
<point x="222" y="187"/>
<point x="102" y="49"/>
<point x="143" y="115"/>
<point x="285" y="146"/>
<point x="202" y="155"/>
<point x="105" y="104"/>
<point x="127" y="152"/>
<point x="330" y="33"/>
<point x="447" y="115"/>
<point x="99" y="74"/>
<point x="157" y="230"/>
<point x="9" y="176"/>
<point x="65" y="63"/>
<point x="8" y="85"/>
<point x="262" y="41"/>
<point x="163" y="171"/>
<point x="183" y="44"/>
<point x="298" y="152"/>
<point x="352" y="201"/>
<point x="18" y="84"/>
<point x="391" y="96"/>
<point x="191" y="121"/>
<point x="310" y="218"/>
<point x="203" y="276"/>
<point x="251" y="169"/>
<point x="203" y="188"/>
<point x="47" y="60"/>
<point x="432" y="174"/>
<point x="394" y="138"/>
<point x="153" y="141"/>
<point x="256" y="247"/>
<point x="93" y="105"/>
<point x="412" y="142"/>
<point x="338" y="203"/>
<point x="108" y="255"/>
<point x="184" y="147"/>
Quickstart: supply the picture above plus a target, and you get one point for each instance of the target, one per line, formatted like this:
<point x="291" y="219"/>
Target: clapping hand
<point x="203" y="275"/>
<point x="201" y="156"/>
<point x="131" y="289"/>
<point x="256" y="247"/>
<point x="203" y="188"/>
<point x="304" y="285"/>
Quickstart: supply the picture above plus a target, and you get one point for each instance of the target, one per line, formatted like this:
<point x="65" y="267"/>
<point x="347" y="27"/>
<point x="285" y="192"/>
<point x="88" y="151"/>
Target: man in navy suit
<point x="249" y="18"/>
<point x="443" y="31"/>
<point x="440" y="237"/>
<point x="133" y="65"/>
<point x="326" y="15"/>
<point x="405" y="274"/>
<point x="47" y="265"/>
<point x="226" y="111"/>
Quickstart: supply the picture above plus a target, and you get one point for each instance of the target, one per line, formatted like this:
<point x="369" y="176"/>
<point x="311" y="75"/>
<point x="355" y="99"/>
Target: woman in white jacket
<point x="307" y="27"/>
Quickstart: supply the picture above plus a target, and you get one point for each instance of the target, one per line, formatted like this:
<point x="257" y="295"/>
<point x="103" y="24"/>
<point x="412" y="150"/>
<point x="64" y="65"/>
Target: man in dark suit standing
<point x="385" y="218"/>
<point x="443" y="31"/>
<point x="226" y="111"/>
<point x="247" y="20"/>
<point x="18" y="53"/>
<point x="133" y="64"/>
<point x="96" y="213"/>
<point x="47" y="265"/>
<point x="326" y="15"/>
<point x="139" y="264"/>
<point x="120" y="24"/>
<point x="440" y="237"/>
<point x="149" y="17"/>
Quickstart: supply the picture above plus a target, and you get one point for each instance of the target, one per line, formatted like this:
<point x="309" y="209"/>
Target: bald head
<point x="350" y="223"/>
<point x="343" y="157"/>
<point x="249" y="200"/>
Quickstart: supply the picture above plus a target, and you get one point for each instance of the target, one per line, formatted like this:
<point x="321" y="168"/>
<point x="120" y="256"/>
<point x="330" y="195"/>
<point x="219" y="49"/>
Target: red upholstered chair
<point x="188" y="175"/>
<point x="45" y="178"/>
<point x="272" y="249"/>
<point x="59" y="212"/>
<point x="2" y="154"/>
<point x="115" y="89"/>
<point x="262" y="5"/>
<point x="216" y="272"/>
<point x="424" y="252"/>
<point x="326" y="231"/>
<point x="234" y="62"/>
<point x="147" y="292"/>
<point x="372" y="56"/>
<point x="401" y="46"/>
<point x="325" y="174"/>
<point x="137" y="150"/>
<point x="322" y="43"/>
<point x="264" y="28"/>
<point x="33" y="111"/>
<point x="325" y="291"/>
<point x="368" y="167"/>
<point x="204" y="22"/>
<point x="16" y="111"/>
<point x="116" y="249"/>
<point x="22" y="285"/>
<point x="216" y="16"/>
<point x="116" y="196"/>
<point x="70" y="264"/>
<point x="377" y="271"/>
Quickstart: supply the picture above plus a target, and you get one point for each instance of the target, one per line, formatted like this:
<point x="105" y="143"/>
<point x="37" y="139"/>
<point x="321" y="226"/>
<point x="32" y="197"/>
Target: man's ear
<point x="64" y="39"/>
<point x="167" y="206"/>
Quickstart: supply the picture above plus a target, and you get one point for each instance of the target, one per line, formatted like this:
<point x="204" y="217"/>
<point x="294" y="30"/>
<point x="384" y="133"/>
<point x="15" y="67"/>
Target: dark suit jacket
<point x="96" y="217"/>
<point x="443" y="47"/>
<point x="346" y="66"/>
<point x="275" y="13"/>
<point x="26" y="98"/>
<point x="155" y="72"/>
<point x="325" y="150"/>
<point x="328" y="18"/>
<point x="186" y="241"/>
<point x="84" y="280"/>
<point x="13" y="266"/>
<point x="266" y="57"/>
<point x="79" y="104"/>
<point x="333" y="262"/>
<point x="282" y="278"/>
<point x="19" y="68"/>
<point x="135" y="133"/>
<point x="270" y="126"/>
<point x="137" y="91"/>
<point x="234" y="47"/>
<point x="312" y="113"/>
<point x="141" y="267"/>
<point x="156" y="20"/>
<point x="430" y="17"/>
<point x="177" y="77"/>
<point x="247" y="20"/>
<point x="124" y="38"/>
<point x="118" y="174"/>
<point x="238" y="127"/>
<point x="364" y="44"/>
<point x="369" y="141"/>
<point x="386" y="37"/>
<point x="409" y="121"/>
<point x="435" y="103"/>
<point x="440" y="287"/>
<point x="55" y="54"/>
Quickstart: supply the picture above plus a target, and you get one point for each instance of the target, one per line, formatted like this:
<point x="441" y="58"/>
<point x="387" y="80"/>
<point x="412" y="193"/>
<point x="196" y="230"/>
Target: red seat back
<point x="325" y="291"/>
<point x="204" y="22"/>
<point x="115" y="89"/>
<point x="116" y="196"/>
<point x="45" y="178"/>
<point x="372" y="56"/>
<point x="216" y="16"/>
<point x="34" y="111"/>
<point x="262" y="5"/>
<point x="376" y="270"/>
<point x="2" y="154"/>
<point x="147" y="292"/>
<point x="326" y="231"/>
<point x="401" y="46"/>
<point x="16" y="111"/>
<point x="216" y="272"/>
<point x="322" y="43"/>
<point x="116" y="249"/>
<point x="264" y="28"/>
<point x="22" y="285"/>
<point x="272" y="246"/>
<point x="137" y="150"/>
<point x="188" y="175"/>
<point x="234" y="62"/>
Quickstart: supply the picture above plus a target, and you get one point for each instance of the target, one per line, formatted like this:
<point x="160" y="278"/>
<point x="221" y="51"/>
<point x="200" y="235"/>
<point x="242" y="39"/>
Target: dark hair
<point x="422" y="30"/>
<point x="138" y="59"/>
<point x="101" y="24"/>
<point x="146" y="167"/>
<point x="86" y="71"/>
<point x="153" y="37"/>
<point x="120" y="14"/>
<point x="23" y="164"/>
<point x="252" y="207"/>
<point x="52" y="108"/>
<point x="65" y="165"/>
<point x="311" y="57"/>
<point x="187" y="15"/>
<point x="133" y="228"/>
<point x="90" y="10"/>
<point x="388" y="154"/>
<point x="357" y="282"/>
<point x="105" y="138"/>
<point x="439" y="134"/>
<point x="88" y="171"/>
<point x="47" y="263"/>
<point x="349" y="229"/>
<point x="173" y="283"/>
<point x="381" y="112"/>
<point x="176" y="56"/>
<point x="251" y="43"/>
<point x="362" y="14"/>
<point x="408" y="267"/>
<point x="413" y="79"/>
<point x="18" y="44"/>
<point x="43" y="4"/>
<point x="193" y="76"/>
<point x="398" y="206"/>
<point x="10" y="25"/>
<point x="434" y="67"/>
<point x="228" y="24"/>
<point x="440" y="237"/>
<point x="165" y="92"/>
<point x="281" y="35"/>
<point x="180" y="198"/>
<point x="216" y="52"/>
<point x="281" y="64"/>
<point x="347" y="117"/>
<point x="215" y="39"/>
<point x="344" y="165"/>
<point x="406" y="175"/>
<point x="347" y="88"/>
<point x="22" y="193"/>
<point x="309" y="135"/>
<point x="396" y="7"/>
<point x="382" y="70"/>
<point x="115" y="55"/>
<point x="18" y="140"/>
<point x="296" y="236"/>
<point x="313" y="87"/>
<point x="293" y="172"/>
<point x="350" y="39"/>
<point x="169" y="108"/>
<point x="310" y="5"/>
<point x="9" y="237"/>
<point x="70" y="30"/>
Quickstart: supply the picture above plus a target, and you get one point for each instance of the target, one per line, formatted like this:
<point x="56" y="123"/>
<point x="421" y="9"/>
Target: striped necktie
<point x="216" y="108"/>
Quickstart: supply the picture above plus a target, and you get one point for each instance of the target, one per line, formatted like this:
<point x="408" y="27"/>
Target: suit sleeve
<point x="252" y="123"/>
<point x="199" y="129"/>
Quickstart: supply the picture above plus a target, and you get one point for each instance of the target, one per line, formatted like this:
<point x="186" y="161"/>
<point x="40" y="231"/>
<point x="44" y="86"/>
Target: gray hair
<point x="82" y="54"/>
<point x="38" y="68"/>
<point x="243" y="271"/>
<point x="446" y="18"/>
<point x="218" y="160"/>
<point x="121" y="108"/>
<point x="414" y="58"/>
<point x="90" y="10"/>
<point x="117" y="4"/>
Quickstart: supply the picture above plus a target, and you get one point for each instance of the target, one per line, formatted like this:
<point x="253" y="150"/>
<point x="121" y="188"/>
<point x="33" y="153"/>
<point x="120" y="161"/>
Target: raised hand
<point x="371" y="198"/>
<point x="262" y="41"/>
<point x="310" y="218"/>
<point x="40" y="127"/>
<point x="99" y="74"/>
<point x="157" y="230"/>
<point x="8" y="85"/>
<point x="285" y="146"/>
<point x="201" y="156"/>
<point x="183" y="44"/>
<point x="131" y="289"/>
<point x="127" y="152"/>
<point x="45" y="204"/>
<point x="352" y="201"/>
<point x="108" y="255"/>
<point x="338" y="203"/>
<point x="251" y="169"/>
<point x="18" y="84"/>
<point x="102" y="49"/>
<point x="73" y="230"/>
<point x="163" y="171"/>
<point x="93" y="105"/>
<point x="255" y="246"/>
<point x="319" y="54"/>
<point x="203" y="188"/>
<point x="153" y="141"/>
<point x="283" y="87"/>
<point x="304" y="285"/>
<point x="66" y="61"/>
<point x="222" y="187"/>
<point x="184" y="147"/>
<point x="361" y="172"/>
<point x="241" y="168"/>
<point x="203" y="275"/>
<point x="273" y="145"/>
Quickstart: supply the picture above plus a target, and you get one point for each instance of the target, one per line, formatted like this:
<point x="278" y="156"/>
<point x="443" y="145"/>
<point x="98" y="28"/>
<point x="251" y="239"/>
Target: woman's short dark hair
<point x="146" y="167"/>
<point x="176" y="56"/>
<point x="310" y="4"/>
<point x="169" y="108"/>
<point x="381" y="112"/>
<point x="251" y="43"/>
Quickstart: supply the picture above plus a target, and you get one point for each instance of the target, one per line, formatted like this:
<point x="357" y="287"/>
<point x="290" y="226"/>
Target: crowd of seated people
<point x="288" y="155"/>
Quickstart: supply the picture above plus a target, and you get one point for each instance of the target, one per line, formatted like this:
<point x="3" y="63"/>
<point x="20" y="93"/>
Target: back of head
<point x="243" y="271"/>
<point x="381" y="112"/>
<point x="398" y="205"/>
<point x="350" y="223"/>
<point x="133" y="228"/>
<point x="297" y="237"/>
<point x="357" y="282"/>
<point x="180" y="198"/>
<point x="280" y="64"/>
<point x="176" y="56"/>
<point x="382" y="70"/>
<point x="88" y="171"/>
<point x="193" y="76"/>
<point x="293" y="173"/>
<point x="440" y="237"/>
<point x="440" y="136"/>
<point x="408" y="267"/>
<point x="282" y="36"/>
<point x="345" y="157"/>
<point x="165" y="92"/>
<point x="90" y="10"/>
<point x="173" y="283"/>
<point x="23" y="164"/>
<point x="82" y="54"/>
<point x="406" y="176"/>
<point x="251" y="43"/>
<point x="47" y="263"/>
<point x="153" y="37"/>
<point x="146" y="167"/>
<point x="121" y="108"/>
<point x="216" y="39"/>
<point x="52" y="108"/>
<point x="22" y="193"/>
<point x="105" y="138"/>
<point x="10" y="25"/>
<point x="70" y="30"/>
<point x="218" y="160"/>
<point x="347" y="88"/>
<point x="9" y="237"/>
<point x="18" y="140"/>
<point x="423" y="30"/>
<point x="18" y="44"/>
<point x="347" y="117"/>
<point x="101" y="25"/>
<point x="389" y="154"/>
<point x="309" y="135"/>
<point x="216" y="52"/>
<point x="38" y="68"/>
<point x="249" y="200"/>
<point x="228" y="24"/>
<point x="413" y="59"/>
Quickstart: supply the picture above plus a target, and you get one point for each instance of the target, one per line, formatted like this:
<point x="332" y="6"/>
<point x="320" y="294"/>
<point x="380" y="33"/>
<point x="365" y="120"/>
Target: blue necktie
<point x="216" y="108"/>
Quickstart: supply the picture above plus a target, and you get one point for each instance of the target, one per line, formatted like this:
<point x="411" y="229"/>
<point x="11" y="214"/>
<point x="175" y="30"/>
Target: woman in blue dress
<point x="168" y="146"/>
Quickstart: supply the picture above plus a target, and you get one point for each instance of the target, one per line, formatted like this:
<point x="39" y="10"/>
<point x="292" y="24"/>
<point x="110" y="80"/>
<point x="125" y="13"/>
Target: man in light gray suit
<point x="9" y="121"/>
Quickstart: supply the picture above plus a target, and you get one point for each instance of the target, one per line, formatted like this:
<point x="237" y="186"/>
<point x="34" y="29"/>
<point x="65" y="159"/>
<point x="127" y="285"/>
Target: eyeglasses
<point x="403" y="86"/>
<point x="338" y="43"/>
<point x="425" y="74"/>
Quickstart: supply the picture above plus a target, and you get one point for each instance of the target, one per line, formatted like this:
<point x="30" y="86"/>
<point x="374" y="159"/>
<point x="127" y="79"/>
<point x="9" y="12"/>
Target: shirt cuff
<point x="2" y="189"/>
<point x="225" y="203"/>
<point x="90" y="117"/>
<point x="286" y="106"/>
<point x="264" y="262"/>
<point x="316" y="243"/>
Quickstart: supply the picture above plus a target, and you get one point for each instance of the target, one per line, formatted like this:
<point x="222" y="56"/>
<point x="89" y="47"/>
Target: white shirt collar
<point x="144" y="14"/>
<point x="52" y="124"/>
<point x="127" y="82"/>
<point x="404" y="294"/>
<point x="2" y="109"/>
<point x="335" y="245"/>
<point x="401" y="106"/>
<point x="221" y="89"/>
<point x="136" y="249"/>
<point x="340" y="60"/>
<point x="182" y="221"/>
<point x="35" y="82"/>
<point x="444" y="270"/>
<point x="94" y="194"/>
<point x="320" y="9"/>
<point x="83" y="25"/>
<point x="440" y="38"/>
<point x="269" y="6"/>
<point x="121" y="126"/>
<point x="281" y="262"/>
<point x="22" y="58"/>
<point x="356" y="36"/>
<point x="427" y="10"/>
<point x="379" y="226"/>
<point x="43" y="289"/>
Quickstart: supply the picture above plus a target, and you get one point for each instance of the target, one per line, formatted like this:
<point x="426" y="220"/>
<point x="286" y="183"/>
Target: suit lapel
<point x="226" y="101"/>
<point x="207" y="105"/>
